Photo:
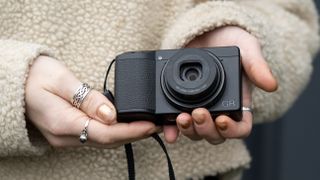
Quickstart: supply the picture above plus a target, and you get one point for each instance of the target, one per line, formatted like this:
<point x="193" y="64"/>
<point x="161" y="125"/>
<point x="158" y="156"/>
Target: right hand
<point x="215" y="129"/>
<point x="49" y="91"/>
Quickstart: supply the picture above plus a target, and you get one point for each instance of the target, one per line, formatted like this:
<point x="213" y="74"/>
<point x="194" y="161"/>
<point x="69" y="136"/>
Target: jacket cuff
<point x="15" y="139"/>
<point x="276" y="30"/>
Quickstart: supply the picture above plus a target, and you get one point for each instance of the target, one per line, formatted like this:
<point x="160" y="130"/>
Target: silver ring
<point x="80" y="95"/>
<point x="84" y="133"/>
<point x="246" y="109"/>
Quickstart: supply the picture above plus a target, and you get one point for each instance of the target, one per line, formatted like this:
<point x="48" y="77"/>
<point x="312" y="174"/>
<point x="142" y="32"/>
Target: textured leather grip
<point x="135" y="85"/>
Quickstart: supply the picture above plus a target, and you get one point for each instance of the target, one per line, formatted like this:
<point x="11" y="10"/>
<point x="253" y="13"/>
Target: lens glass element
<point x="190" y="71"/>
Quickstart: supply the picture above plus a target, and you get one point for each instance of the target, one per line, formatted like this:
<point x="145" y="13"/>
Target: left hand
<point x="200" y="124"/>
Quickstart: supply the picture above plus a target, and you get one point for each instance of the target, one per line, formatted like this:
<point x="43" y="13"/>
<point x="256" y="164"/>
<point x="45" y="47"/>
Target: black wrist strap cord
<point x="130" y="161"/>
<point x="130" y="158"/>
<point x="128" y="147"/>
<point x="170" y="167"/>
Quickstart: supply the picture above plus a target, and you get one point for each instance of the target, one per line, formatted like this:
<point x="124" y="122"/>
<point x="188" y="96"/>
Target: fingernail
<point x="199" y="119"/>
<point x="105" y="112"/>
<point x="222" y="126"/>
<point x="185" y="124"/>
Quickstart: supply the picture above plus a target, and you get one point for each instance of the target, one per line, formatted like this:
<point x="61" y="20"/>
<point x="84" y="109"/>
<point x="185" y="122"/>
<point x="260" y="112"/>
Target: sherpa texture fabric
<point x="87" y="34"/>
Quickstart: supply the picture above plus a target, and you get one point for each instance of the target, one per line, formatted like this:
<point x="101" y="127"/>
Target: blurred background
<point x="289" y="149"/>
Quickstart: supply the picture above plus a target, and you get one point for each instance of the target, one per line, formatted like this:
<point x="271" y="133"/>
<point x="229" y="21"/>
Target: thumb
<point x="258" y="70"/>
<point x="95" y="104"/>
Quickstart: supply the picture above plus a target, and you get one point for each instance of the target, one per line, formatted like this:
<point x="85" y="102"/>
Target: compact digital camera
<point x="158" y="85"/>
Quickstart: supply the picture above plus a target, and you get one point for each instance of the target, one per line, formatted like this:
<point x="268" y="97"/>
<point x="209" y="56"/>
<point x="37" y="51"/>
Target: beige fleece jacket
<point x="87" y="34"/>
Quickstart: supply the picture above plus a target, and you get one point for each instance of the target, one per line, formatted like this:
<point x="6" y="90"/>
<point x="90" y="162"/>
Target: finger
<point x="72" y="141"/>
<point x="205" y="127"/>
<point x="64" y="120"/>
<point x="257" y="68"/>
<point x="246" y="92"/>
<point x="171" y="133"/>
<point x="186" y="126"/>
<point x="95" y="104"/>
<point x="119" y="133"/>
<point x="228" y="128"/>
<point x="95" y="139"/>
<point x="252" y="59"/>
<point x="72" y="122"/>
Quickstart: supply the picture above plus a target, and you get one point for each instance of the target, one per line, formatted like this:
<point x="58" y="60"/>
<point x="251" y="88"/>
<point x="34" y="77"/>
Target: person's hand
<point x="200" y="124"/>
<point x="49" y="91"/>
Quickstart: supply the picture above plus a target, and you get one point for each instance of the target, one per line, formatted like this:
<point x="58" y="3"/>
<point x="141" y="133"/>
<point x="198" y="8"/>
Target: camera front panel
<point x="139" y="93"/>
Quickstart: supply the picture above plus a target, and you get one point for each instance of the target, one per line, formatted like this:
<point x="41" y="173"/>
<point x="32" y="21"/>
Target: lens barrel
<point x="193" y="78"/>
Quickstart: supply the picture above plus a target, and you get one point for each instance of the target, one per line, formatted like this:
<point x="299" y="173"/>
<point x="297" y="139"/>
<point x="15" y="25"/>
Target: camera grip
<point x="135" y="88"/>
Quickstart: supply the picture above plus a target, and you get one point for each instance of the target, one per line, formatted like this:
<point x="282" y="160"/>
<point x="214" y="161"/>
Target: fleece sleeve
<point x="15" y="60"/>
<point x="288" y="34"/>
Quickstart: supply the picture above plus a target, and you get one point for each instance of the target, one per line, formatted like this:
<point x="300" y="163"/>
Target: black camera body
<point x="158" y="85"/>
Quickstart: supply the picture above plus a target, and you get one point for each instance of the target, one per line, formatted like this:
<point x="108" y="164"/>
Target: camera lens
<point x="193" y="78"/>
<point x="192" y="74"/>
<point x="190" y="71"/>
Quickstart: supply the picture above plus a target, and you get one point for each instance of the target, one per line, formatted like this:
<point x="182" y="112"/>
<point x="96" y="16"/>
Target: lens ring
<point x="182" y="98"/>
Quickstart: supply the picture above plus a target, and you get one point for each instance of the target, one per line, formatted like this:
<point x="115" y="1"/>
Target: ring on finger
<point x="80" y="95"/>
<point x="84" y="133"/>
<point x="244" y="108"/>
